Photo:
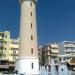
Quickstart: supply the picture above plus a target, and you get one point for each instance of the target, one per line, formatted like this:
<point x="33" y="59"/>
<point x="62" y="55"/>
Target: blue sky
<point x="55" y="19"/>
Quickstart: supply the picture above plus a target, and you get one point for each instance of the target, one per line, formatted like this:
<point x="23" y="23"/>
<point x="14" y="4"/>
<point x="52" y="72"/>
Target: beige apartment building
<point x="14" y="50"/>
<point x="55" y="52"/>
<point x="8" y="52"/>
<point x="48" y="52"/>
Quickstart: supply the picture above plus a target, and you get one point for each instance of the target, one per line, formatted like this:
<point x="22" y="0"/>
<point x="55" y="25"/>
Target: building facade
<point x="28" y="61"/>
<point x="48" y="52"/>
<point x="68" y="48"/>
<point x="53" y="50"/>
<point x="14" y="49"/>
<point x="8" y="52"/>
<point x="4" y="44"/>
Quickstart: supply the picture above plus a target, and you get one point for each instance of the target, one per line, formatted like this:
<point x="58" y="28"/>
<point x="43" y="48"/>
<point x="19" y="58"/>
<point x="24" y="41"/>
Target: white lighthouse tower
<point x="28" y="62"/>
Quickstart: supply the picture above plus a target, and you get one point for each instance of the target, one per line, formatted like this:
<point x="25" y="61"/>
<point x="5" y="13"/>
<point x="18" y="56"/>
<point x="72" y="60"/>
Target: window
<point x="5" y="36"/>
<point x="31" y="25"/>
<point x="0" y="55"/>
<point x="5" y="42"/>
<point x="31" y="50"/>
<point x="31" y="4"/>
<point x="4" y="55"/>
<point x="63" y="58"/>
<point x="14" y="52"/>
<point x="32" y="65"/>
<point x="59" y="59"/>
<point x="31" y="13"/>
<point x="14" y="57"/>
<point x="2" y="35"/>
<point x="5" y="48"/>
<point x="31" y="37"/>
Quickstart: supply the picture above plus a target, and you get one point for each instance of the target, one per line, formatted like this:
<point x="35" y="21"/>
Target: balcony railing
<point x="12" y="65"/>
<point x="1" y="52"/>
<point x="69" y="45"/>
<point x="1" y="40"/>
<point x="70" y="51"/>
<point x="14" y="54"/>
<point x="4" y="66"/>
<point x="1" y="47"/>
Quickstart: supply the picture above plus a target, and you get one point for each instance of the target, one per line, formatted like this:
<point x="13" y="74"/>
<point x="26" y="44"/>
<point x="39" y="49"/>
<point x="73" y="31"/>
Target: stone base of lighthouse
<point x="27" y="66"/>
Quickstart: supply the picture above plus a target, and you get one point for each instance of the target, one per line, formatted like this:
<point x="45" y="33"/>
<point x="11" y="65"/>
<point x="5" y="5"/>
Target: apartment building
<point x="43" y="55"/>
<point x="55" y="52"/>
<point x="68" y="48"/>
<point x="52" y="50"/>
<point x="8" y="52"/>
<point x="14" y="50"/>
<point x="48" y="52"/>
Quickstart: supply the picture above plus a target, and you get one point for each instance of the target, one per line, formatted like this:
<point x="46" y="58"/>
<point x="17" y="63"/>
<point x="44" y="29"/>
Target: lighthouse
<point x="28" y="62"/>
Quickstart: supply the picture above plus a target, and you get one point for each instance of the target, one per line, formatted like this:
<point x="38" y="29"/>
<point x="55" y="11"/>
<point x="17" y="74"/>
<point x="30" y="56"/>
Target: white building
<point x="68" y="48"/>
<point x="28" y="62"/>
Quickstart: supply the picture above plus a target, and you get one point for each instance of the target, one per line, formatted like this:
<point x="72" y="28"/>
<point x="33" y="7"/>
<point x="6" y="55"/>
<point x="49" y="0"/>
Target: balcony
<point x="1" y="37"/>
<point x="70" y="51"/>
<point x="12" y="65"/>
<point x="17" y="48"/>
<point x="4" y="63"/>
<point x="54" y="54"/>
<point x="55" y="51"/>
<point x="48" y="54"/>
<point x="4" y="66"/>
<point x="1" y="47"/>
<point x="1" y="40"/>
<point x="5" y="40"/>
<point x="1" y="52"/>
<point x="69" y="45"/>
<point x="14" y="54"/>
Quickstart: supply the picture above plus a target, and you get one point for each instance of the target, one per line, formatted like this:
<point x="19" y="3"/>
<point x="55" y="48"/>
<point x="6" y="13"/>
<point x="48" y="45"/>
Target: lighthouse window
<point x="31" y="37"/>
<point x="31" y="25"/>
<point x="31" y="4"/>
<point x="32" y="65"/>
<point x="31" y="13"/>
<point x="31" y="50"/>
